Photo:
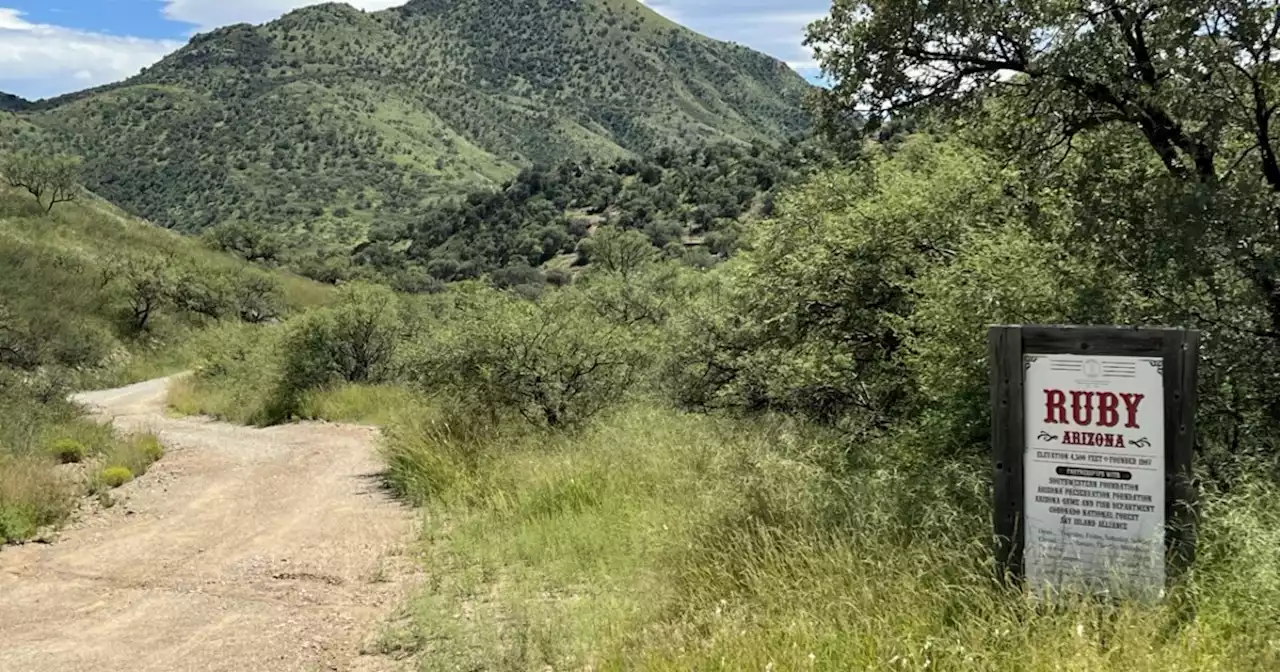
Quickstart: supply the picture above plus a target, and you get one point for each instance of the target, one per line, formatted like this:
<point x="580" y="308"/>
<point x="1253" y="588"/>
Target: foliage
<point x="258" y="297"/>
<point x="553" y="362"/>
<point x="66" y="279"/>
<point x="1173" y="177"/>
<point x="619" y="252"/>
<point x="354" y="341"/>
<point x="114" y="477"/>
<point x="151" y="448"/>
<point x="50" y="179"/>
<point x="251" y="243"/>
<point x="814" y="317"/>
<point x="69" y="451"/>
<point x="667" y="198"/>
<point x="148" y="284"/>
<point x="1070" y="69"/>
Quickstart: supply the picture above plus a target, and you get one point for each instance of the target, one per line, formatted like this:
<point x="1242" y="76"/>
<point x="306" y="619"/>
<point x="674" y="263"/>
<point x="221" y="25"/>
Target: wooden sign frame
<point x="1008" y="346"/>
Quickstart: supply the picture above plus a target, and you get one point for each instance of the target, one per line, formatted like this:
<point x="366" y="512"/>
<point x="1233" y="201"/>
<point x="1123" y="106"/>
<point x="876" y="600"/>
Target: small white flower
<point x="1080" y="630"/>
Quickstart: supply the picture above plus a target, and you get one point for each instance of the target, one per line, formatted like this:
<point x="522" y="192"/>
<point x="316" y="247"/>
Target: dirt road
<point x="244" y="549"/>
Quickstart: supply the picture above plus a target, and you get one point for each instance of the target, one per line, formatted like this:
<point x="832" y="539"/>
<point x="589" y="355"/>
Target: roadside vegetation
<point x="781" y="460"/>
<point x="90" y="297"/>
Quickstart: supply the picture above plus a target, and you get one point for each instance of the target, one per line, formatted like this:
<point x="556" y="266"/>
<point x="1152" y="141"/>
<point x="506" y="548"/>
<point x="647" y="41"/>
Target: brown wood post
<point x="1005" y="352"/>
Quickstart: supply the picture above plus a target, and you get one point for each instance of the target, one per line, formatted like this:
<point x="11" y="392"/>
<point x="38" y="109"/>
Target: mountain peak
<point x="366" y="112"/>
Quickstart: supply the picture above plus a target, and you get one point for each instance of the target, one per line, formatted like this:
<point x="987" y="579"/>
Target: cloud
<point x="776" y="27"/>
<point x="210" y="14"/>
<point x="39" y="60"/>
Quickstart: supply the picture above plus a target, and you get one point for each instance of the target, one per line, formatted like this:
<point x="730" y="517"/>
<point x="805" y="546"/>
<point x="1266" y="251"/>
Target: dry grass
<point x="33" y="494"/>
<point x="661" y="541"/>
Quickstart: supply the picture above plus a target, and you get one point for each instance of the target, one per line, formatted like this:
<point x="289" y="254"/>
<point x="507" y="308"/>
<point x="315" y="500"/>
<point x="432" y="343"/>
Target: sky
<point x="50" y="47"/>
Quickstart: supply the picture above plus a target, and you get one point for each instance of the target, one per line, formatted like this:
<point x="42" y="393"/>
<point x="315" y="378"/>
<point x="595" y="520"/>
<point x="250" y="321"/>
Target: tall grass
<point x="660" y="540"/>
<point x="35" y="491"/>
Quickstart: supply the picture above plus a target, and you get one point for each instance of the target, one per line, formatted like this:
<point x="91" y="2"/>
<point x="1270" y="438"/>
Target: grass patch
<point x="50" y="456"/>
<point x="33" y="494"/>
<point x="660" y="540"/>
<point x="362" y="404"/>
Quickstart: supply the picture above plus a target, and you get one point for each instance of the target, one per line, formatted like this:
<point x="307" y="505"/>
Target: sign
<point x="1092" y="436"/>
<point x="1094" y="464"/>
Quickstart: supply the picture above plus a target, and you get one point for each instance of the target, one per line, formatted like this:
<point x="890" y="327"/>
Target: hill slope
<point x="73" y="282"/>
<point x="330" y="114"/>
<point x="9" y="101"/>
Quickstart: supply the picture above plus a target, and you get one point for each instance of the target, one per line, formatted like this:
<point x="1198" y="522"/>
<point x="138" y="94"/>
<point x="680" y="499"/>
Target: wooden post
<point x="1005" y="347"/>
<point x="1088" y="473"/>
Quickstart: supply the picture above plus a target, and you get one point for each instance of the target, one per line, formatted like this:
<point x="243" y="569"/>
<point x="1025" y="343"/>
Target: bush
<point x="355" y="342"/>
<point x="556" y="363"/>
<point x="69" y="451"/>
<point x="151" y="448"/>
<point x="115" y="477"/>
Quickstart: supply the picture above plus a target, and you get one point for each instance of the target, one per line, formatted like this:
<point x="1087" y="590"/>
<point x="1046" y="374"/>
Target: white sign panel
<point x="1094" y="474"/>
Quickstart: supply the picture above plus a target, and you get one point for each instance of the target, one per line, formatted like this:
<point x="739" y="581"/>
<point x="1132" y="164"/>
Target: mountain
<point x="331" y="117"/>
<point x="10" y="102"/>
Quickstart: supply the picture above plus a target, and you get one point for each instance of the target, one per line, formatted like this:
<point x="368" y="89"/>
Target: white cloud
<point x="210" y="14"/>
<point x="39" y="60"/>
<point x="776" y="27"/>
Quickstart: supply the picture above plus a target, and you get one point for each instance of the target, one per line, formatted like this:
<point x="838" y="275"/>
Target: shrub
<point x="115" y="477"/>
<point x="69" y="451"/>
<point x="355" y="342"/>
<point x="556" y="363"/>
<point x="151" y="448"/>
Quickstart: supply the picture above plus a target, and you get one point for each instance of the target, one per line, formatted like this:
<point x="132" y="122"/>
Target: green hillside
<point x="330" y="115"/>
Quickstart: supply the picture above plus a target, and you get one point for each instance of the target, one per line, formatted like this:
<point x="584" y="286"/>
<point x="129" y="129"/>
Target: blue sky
<point x="48" y="47"/>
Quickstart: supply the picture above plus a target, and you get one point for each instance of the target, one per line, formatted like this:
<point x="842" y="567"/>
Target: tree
<point x="249" y="242"/>
<point x="51" y="179"/>
<point x="616" y="251"/>
<point x="1158" y="117"/>
<point x="1198" y="80"/>
<point x="203" y="290"/>
<point x="258" y="298"/>
<point x="148" y="285"/>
